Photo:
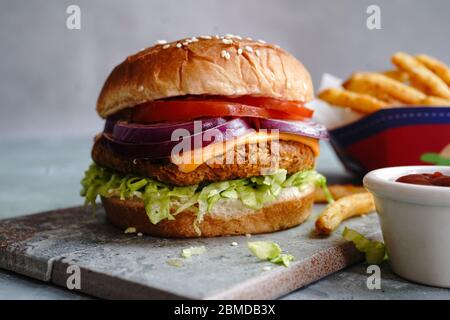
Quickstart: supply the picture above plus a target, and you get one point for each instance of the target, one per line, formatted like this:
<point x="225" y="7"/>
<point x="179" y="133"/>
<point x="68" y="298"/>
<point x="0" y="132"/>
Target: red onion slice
<point x="109" y="125"/>
<point x="302" y="128"/>
<point x="157" y="150"/>
<point x="145" y="133"/>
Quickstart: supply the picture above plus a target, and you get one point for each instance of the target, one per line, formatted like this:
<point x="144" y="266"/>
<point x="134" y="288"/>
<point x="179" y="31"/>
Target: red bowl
<point x="394" y="137"/>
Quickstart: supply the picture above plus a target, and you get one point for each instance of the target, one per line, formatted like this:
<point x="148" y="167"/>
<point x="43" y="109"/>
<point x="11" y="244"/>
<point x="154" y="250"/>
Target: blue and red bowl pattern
<point x="394" y="137"/>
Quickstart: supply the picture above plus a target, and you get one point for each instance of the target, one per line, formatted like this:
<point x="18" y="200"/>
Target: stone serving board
<point x="118" y="266"/>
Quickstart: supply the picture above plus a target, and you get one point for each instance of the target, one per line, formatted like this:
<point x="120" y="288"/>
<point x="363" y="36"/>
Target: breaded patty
<point x="293" y="156"/>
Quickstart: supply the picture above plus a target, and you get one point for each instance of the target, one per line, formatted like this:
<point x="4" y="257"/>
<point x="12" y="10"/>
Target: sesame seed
<point x="226" y="55"/>
<point x="140" y="234"/>
<point x="257" y="53"/>
<point x="141" y="88"/>
<point x="248" y="235"/>
<point x="248" y="38"/>
<point x="261" y="41"/>
<point x="217" y="36"/>
<point x="178" y="45"/>
<point x="229" y="35"/>
<point x="205" y="37"/>
<point x="188" y="41"/>
<point x="161" y="41"/>
<point x="238" y="37"/>
<point x="276" y="46"/>
<point x="234" y="244"/>
<point x="185" y="43"/>
<point x="227" y="41"/>
<point x="239" y="51"/>
<point x="134" y="161"/>
<point x="166" y="46"/>
<point x="248" y="49"/>
<point x="194" y="39"/>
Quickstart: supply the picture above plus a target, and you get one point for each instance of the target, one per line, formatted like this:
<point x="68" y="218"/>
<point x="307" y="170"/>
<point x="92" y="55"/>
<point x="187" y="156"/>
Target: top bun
<point x="229" y="66"/>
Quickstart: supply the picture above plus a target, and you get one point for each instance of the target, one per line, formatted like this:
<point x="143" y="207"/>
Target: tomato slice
<point x="295" y="107"/>
<point x="190" y="109"/>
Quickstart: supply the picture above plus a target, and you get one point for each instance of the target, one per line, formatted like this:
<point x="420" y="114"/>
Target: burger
<point x="206" y="136"/>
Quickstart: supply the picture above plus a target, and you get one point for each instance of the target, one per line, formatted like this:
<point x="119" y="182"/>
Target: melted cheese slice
<point x="213" y="150"/>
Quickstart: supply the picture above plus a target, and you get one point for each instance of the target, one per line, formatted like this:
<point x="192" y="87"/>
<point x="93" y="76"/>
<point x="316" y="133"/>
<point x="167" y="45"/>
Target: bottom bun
<point x="229" y="217"/>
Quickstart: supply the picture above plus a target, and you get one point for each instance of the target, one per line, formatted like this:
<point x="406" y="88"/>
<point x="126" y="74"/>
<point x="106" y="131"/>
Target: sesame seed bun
<point x="230" y="217"/>
<point x="228" y="66"/>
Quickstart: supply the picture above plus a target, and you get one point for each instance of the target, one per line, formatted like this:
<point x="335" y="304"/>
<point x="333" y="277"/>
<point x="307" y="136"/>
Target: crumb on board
<point x="174" y="263"/>
<point x="130" y="230"/>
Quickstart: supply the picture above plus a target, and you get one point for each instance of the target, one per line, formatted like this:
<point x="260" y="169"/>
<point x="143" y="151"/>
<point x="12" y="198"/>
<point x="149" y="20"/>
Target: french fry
<point x="363" y="88"/>
<point x="383" y="86"/>
<point x="344" y="208"/>
<point x="438" y="67"/>
<point x="358" y="102"/>
<point x="397" y="75"/>
<point x="436" y="101"/>
<point x="337" y="191"/>
<point x="421" y="74"/>
<point x="418" y="85"/>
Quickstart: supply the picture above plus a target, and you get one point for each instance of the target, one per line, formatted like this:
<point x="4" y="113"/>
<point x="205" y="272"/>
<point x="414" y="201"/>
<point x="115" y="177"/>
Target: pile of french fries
<point x="416" y="80"/>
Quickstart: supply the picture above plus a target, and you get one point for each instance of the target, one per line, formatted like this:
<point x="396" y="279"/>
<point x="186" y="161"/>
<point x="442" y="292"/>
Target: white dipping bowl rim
<point x="382" y="183"/>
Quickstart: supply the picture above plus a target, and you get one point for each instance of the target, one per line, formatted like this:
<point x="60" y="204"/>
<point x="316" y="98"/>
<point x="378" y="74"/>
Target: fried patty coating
<point x="292" y="156"/>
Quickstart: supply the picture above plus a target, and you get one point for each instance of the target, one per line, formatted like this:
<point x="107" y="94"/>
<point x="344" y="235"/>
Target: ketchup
<point x="427" y="179"/>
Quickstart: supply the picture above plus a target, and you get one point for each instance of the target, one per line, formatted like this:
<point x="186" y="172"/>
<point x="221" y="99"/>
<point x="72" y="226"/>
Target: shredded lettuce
<point x="158" y="197"/>
<point x="375" y="251"/>
<point x="303" y="178"/>
<point x="264" y="250"/>
<point x="163" y="201"/>
<point x="283" y="259"/>
<point x="271" y="251"/>
<point x="189" y="252"/>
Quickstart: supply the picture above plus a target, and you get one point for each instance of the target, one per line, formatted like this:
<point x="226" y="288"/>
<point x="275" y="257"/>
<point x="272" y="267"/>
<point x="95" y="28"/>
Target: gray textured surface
<point x="13" y="286"/>
<point x="350" y="284"/>
<point x="51" y="76"/>
<point x="114" y="265"/>
<point x="223" y="271"/>
<point x="29" y="246"/>
<point x="42" y="175"/>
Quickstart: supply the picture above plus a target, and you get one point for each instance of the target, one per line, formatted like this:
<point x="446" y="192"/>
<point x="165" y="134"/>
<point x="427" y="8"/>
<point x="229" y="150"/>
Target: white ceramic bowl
<point x="415" y="221"/>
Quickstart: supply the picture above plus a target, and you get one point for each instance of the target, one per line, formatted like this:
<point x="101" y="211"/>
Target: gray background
<point x="50" y="76"/>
